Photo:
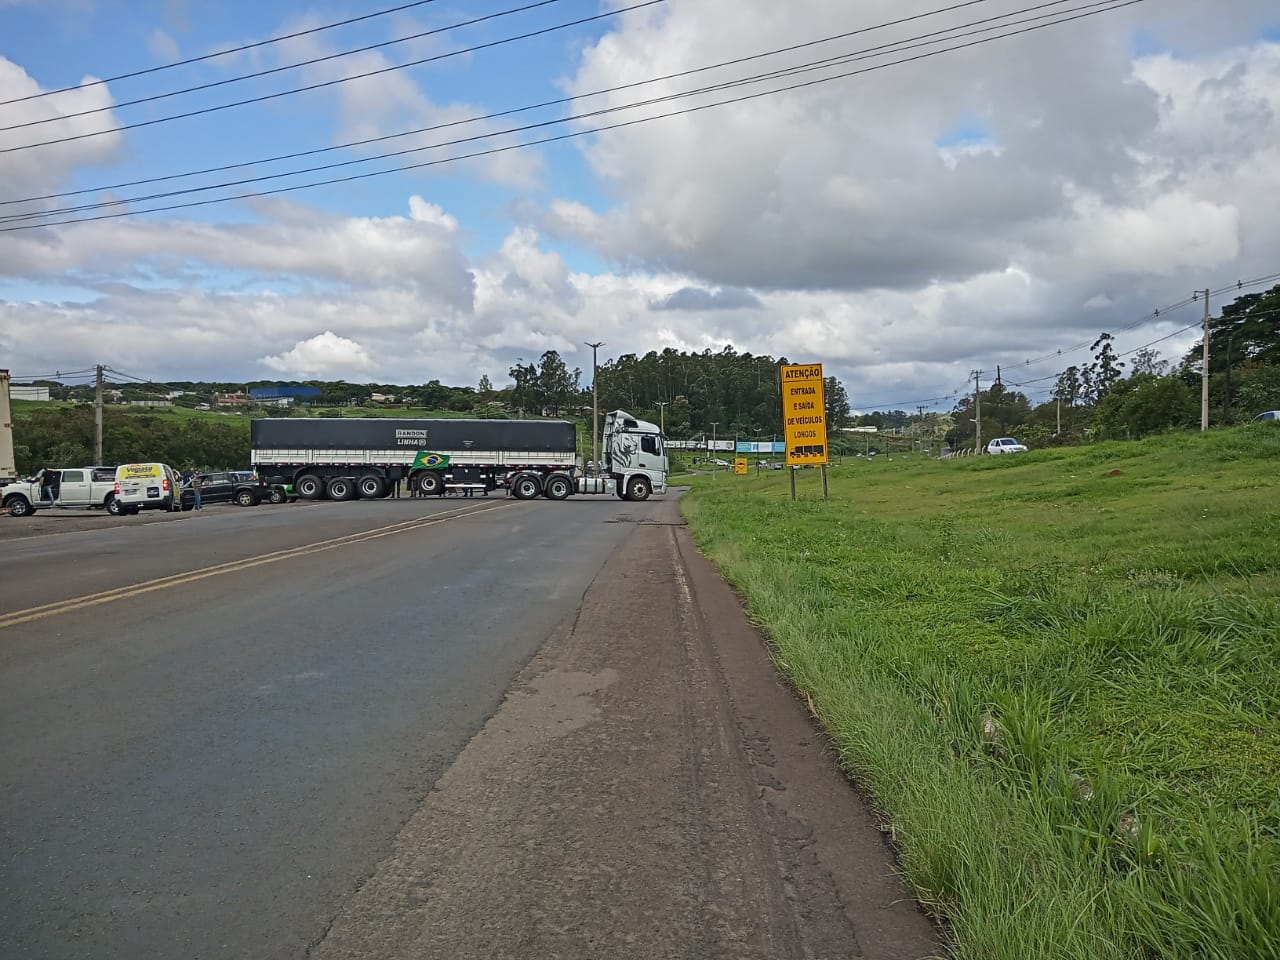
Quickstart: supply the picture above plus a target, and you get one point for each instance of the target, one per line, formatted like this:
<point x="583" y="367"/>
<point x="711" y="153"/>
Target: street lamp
<point x="662" y="414"/>
<point x="595" y="407"/>
<point x="714" y="459"/>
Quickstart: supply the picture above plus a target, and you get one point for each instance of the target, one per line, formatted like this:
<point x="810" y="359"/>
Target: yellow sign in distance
<point x="804" y="415"/>
<point x="740" y="465"/>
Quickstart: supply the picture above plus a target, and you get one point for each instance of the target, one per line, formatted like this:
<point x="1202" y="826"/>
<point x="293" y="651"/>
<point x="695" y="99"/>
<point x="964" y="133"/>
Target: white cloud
<point x="324" y="355"/>
<point x="162" y="46"/>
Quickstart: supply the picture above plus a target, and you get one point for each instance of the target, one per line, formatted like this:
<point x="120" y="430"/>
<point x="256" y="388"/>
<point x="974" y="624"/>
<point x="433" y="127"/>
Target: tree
<point x="1147" y="360"/>
<point x="555" y="383"/>
<point x="837" y="412"/>
<point x="1105" y="369"/>
<point x="486" y="386"/>
<point x="1146" y="403"/>
<point x="525" y="393"/>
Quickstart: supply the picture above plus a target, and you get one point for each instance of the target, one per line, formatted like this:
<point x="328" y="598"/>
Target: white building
<point x="20" y="391"/>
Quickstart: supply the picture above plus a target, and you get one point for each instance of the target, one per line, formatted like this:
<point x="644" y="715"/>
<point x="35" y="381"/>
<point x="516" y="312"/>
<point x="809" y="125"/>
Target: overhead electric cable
<point x="280" y="69"/>
<point x="218" y="53"/>
<point x="536" y="106"/>
<point x="334" y="82"/>
<point x="794" y="70"/>
<point x="571" y="134"/>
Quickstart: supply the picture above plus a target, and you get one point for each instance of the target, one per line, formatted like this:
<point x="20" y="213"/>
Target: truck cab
<point x="635" y="456"/>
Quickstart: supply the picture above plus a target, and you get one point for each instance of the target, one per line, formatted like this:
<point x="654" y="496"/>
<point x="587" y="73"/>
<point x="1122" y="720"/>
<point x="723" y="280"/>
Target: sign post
<point x="804" y="419"/>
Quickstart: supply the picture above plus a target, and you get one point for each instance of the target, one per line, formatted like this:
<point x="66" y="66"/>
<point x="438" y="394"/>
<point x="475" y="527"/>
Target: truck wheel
<point x="245" y="498"/>
<point x="638" y="489"/>
<point x="276" y="495"/>
<point x="558" y="487"/>
<point x="371" y="486"/>
<point x="18" y="507"/>
<point x="525" y="487"/>
<point x="309" y="487"/>
<point x="113" y="507"/>
<point x="340" y="488"/>
<point x="431" y="483"/>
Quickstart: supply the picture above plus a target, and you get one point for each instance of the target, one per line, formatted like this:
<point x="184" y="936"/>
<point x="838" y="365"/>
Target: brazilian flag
<point x="431" y="461"/>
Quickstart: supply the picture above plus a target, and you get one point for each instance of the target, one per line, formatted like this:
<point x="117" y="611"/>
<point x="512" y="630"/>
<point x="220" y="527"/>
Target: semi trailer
<point x="366" y="457"/>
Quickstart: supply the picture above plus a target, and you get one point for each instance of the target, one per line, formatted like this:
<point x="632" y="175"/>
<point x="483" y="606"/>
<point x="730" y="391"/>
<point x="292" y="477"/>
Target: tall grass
<point x="1057" y="680"/>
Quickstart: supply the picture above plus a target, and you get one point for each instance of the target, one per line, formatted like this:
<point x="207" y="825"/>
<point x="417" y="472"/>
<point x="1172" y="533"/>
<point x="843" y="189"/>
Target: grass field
<point x="1057" y="674"/>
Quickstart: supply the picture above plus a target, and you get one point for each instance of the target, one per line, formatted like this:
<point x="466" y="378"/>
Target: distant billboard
<point x="293" y="391"/>
<point x="761" y="446"/>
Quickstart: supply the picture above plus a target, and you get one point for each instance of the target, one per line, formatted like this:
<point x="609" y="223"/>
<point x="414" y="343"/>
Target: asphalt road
<point x="209" y="768"/>
<point x="414" y="729"/>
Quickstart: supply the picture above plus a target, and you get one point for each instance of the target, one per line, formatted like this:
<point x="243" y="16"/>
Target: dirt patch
<point x="648" y="789"/>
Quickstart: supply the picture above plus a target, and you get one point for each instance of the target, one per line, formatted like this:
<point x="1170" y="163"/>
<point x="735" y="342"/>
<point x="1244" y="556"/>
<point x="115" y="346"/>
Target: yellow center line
<point x="177" y="579"/>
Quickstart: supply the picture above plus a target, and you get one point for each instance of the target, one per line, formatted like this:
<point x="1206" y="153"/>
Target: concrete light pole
<point x="595" y="407"/>
<point x="662" y="415"/>
<point x="713" y="447"/>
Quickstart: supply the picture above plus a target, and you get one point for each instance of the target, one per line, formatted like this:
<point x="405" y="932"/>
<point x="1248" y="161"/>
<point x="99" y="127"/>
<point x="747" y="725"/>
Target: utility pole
<point x="1204" y="375"/>
<point x="1058" y="433"/>
<point x="977" y="411"/>
<point x="595" y="407"/>
<point x="97" y="419"/>
<point x="662" y="416"/>
<point x="714" y="451"/>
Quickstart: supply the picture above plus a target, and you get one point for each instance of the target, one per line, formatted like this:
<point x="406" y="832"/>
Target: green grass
<point x="1057" y="674"/>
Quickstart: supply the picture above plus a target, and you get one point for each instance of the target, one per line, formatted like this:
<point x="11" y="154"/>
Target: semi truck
<point x="366" y="457"/>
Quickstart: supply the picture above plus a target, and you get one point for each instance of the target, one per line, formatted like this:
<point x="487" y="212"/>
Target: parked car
<point x="1006" y="445"/>
<point x="230" y="486"/>
<point x="1268" y="415"/>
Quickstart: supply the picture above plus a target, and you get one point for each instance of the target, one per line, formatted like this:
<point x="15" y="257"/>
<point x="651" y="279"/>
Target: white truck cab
<point x="635" y="456"/>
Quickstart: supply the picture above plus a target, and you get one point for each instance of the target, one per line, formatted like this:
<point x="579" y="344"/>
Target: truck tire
<point x="19" y="507"/>
<point x="246" y="498"/>
<point x="276" y="495"/>
<point x="525" y="487"/>
<point x="340" y="488"/>
<point x="638" y="488"/>
<point x="371" y="487"/>
<point x="431" y="483"/>
<point x="309" y="487"/>
<point x="113" y="507"/>
<point x="558" y="487"/>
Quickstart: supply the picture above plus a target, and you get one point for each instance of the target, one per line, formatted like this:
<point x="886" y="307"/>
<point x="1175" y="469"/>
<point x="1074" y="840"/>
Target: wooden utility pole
<point x="1204" y="375"/>
<point x="97" y="419"/>
<point x="662" y="416"/>
<point x="977" y="411"/>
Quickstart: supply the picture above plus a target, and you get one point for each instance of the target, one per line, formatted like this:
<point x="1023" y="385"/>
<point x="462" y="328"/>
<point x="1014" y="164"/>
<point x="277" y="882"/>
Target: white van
<point x="147" y="486"/>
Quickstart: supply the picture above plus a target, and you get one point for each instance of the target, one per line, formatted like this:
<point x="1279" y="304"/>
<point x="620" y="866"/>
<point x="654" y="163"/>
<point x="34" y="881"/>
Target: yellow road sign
<point x="804" y="414"/>
<point x="740" y="465"/>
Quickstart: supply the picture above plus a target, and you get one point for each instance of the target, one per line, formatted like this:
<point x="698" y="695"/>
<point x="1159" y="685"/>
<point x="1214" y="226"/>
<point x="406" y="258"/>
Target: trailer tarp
<point x="379" y="433"/>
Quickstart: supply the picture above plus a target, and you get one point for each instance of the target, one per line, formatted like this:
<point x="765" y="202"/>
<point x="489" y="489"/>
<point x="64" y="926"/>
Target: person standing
<point x="47" y="490"/>
<point x="196" y="484"/>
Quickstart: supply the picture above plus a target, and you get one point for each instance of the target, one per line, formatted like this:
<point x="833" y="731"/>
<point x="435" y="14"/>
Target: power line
<point x="217" y="53"/>
<point x="794" y="70"/>
<point x="570" y="135"/>
<point x="537" y="106"/>
<point x="272" y="70"/>
<point x="330" y="83"/>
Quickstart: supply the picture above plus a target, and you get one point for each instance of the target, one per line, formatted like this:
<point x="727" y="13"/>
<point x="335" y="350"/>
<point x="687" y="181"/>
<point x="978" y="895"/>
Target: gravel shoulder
<point x="648" y="788"/>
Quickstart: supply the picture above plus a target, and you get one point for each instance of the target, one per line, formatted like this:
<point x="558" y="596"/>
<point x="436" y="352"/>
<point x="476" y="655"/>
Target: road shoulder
<point x="647" y="789"/>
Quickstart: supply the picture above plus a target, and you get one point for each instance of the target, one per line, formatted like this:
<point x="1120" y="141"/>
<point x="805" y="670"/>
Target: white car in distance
<point x="1006" y="445"/>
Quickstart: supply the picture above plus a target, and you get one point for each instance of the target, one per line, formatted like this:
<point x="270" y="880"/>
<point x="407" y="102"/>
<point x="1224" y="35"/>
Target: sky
<point x="908" y="214"/>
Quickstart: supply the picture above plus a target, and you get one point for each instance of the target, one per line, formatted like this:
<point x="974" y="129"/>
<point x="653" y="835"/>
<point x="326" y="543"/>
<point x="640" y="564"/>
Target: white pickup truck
<point x="72" y="487"/>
